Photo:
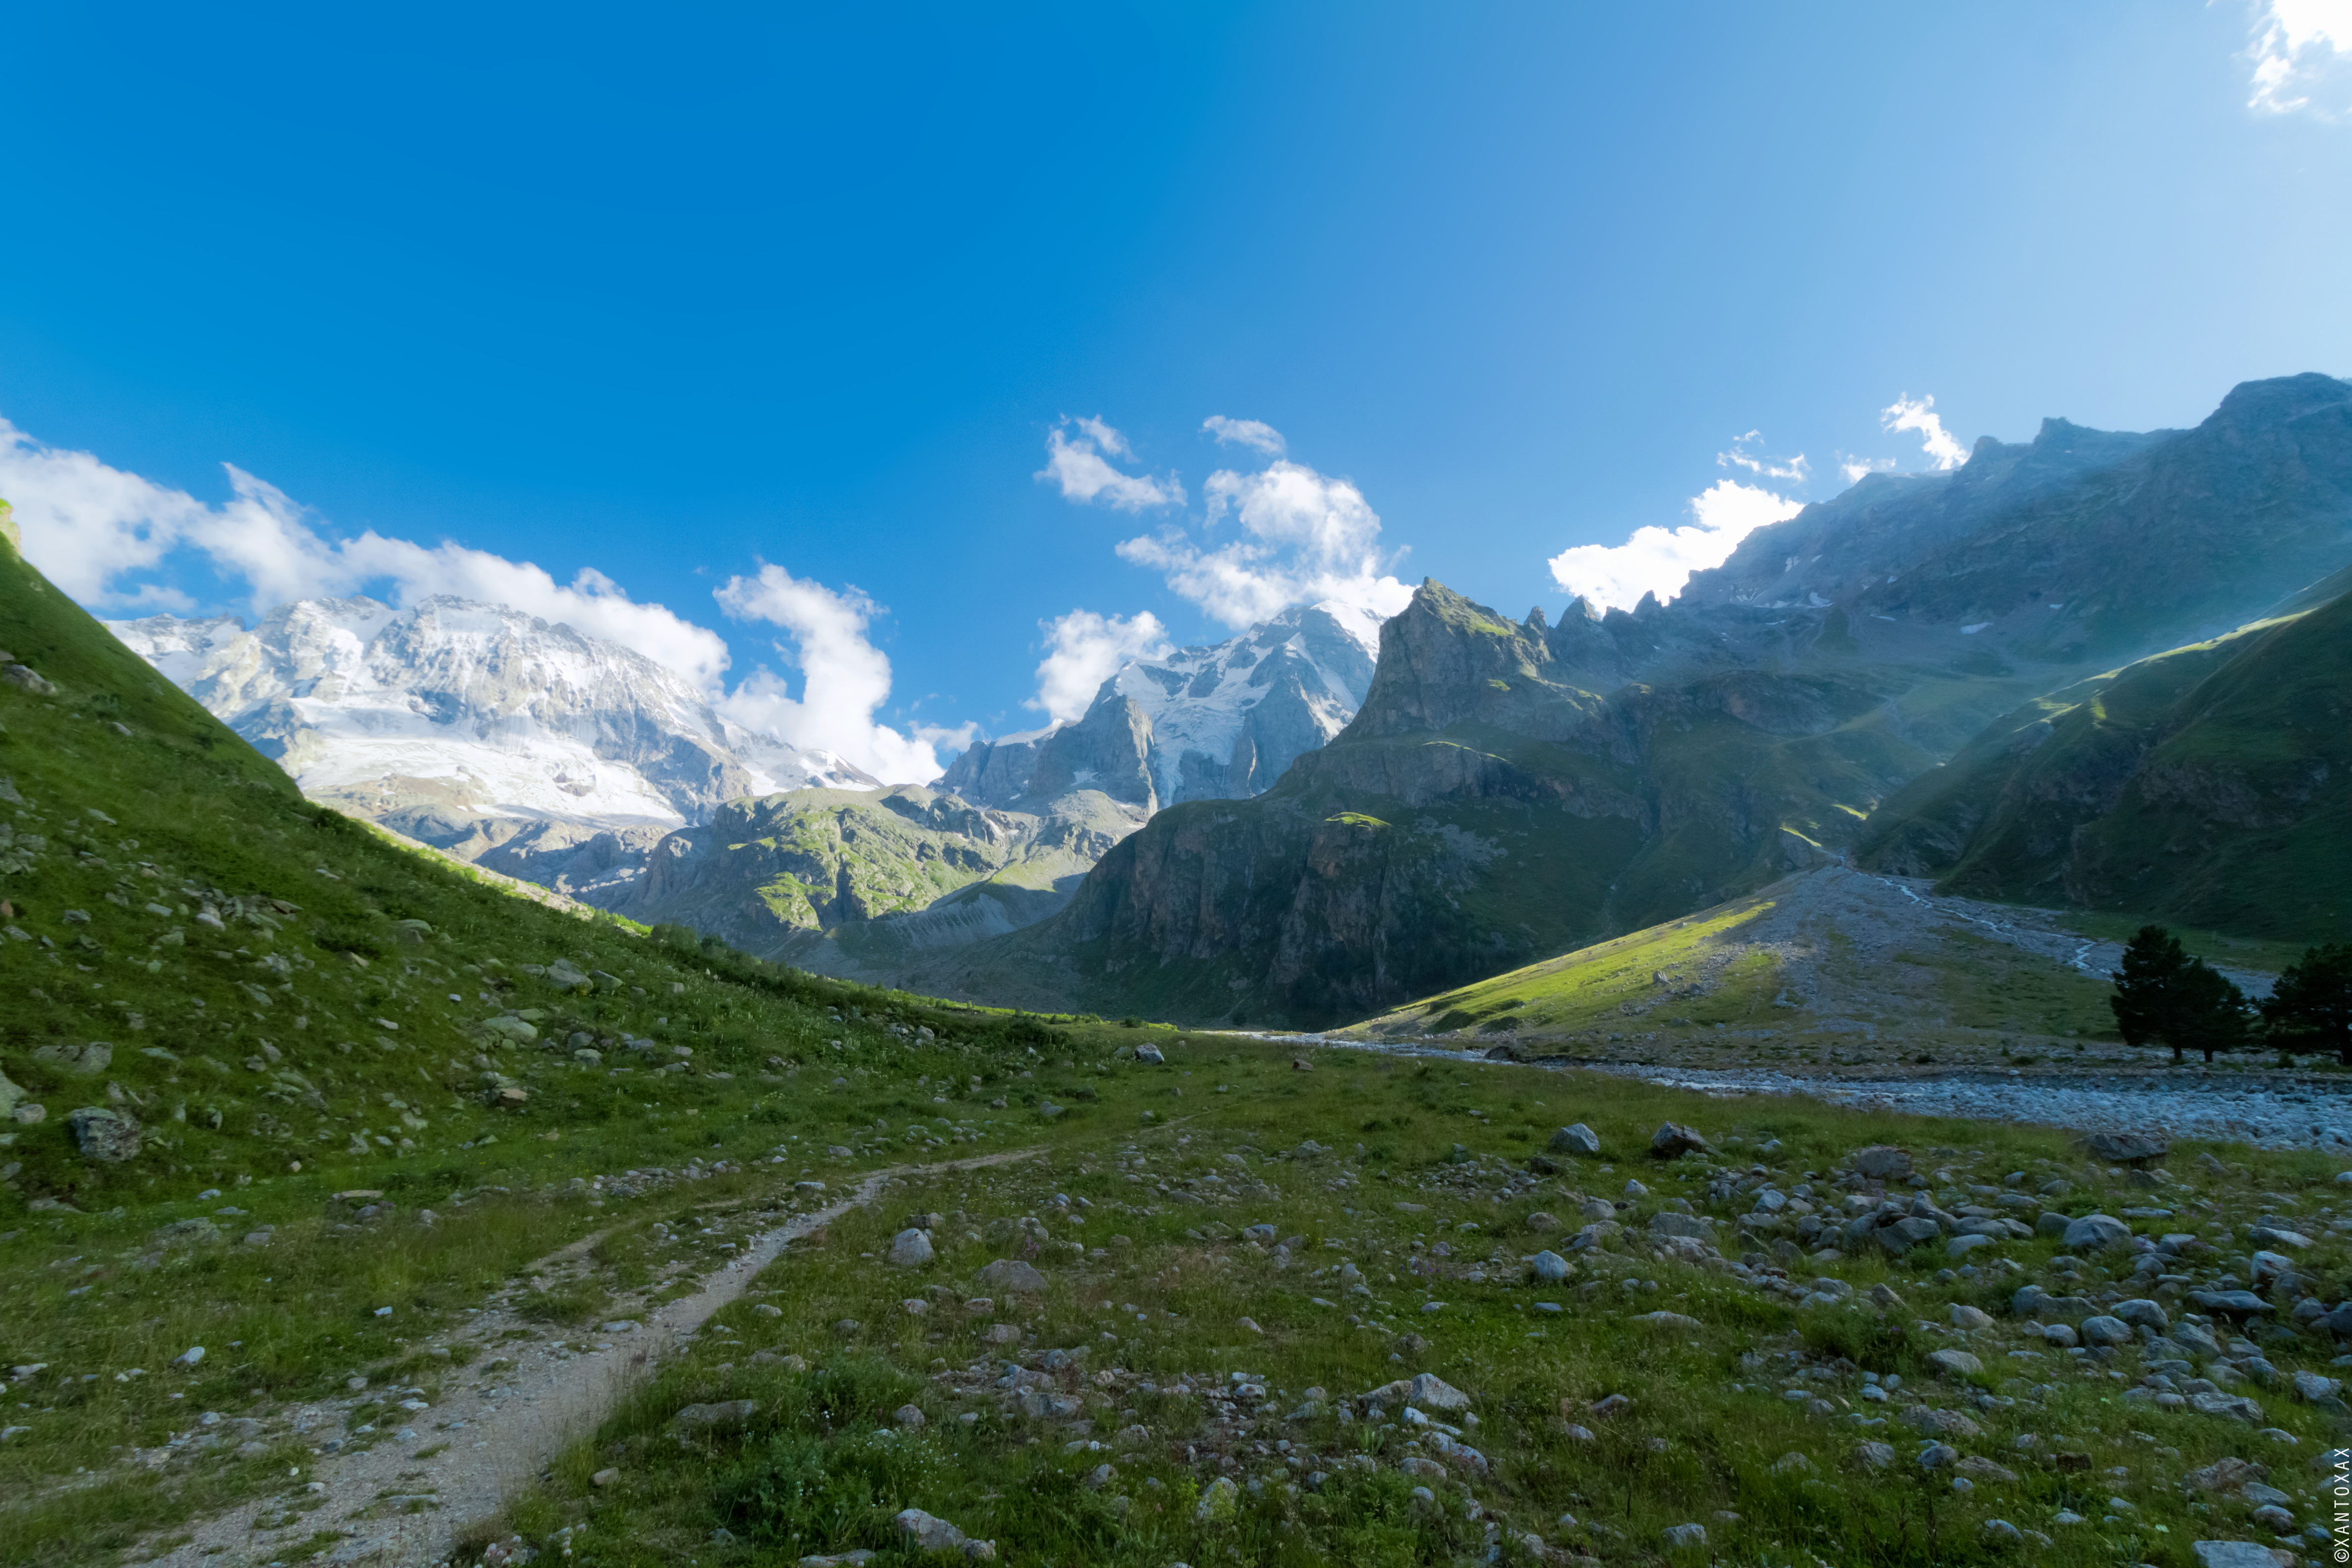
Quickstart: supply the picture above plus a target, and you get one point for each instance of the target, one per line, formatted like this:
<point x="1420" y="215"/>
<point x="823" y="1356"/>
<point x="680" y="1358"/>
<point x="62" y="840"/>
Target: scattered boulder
<point x="2240" y="1554"/>
<point x="2104" y="1330"/>
<point x="1942" y="1423"/>
<point x="1882" y="1163"/>
<point x="1670" y="1322"/>
<point x="2138" y="1149"/>
<point x="911" y="1249"/>
<point x="1955" y="1364"/>
<point x="1575" y="1139"/>
<point x="83" y="1060"/>
<point x="1699" y="1227"/>
<point x="1967" y="1317"/>
<point x="2142" y="1312"/>
<point x="1549" y="1266"/>
<point x="1150" y="1055"/>
<point x="1686" y="1538"/>
<point x="726" y="1415"/>
<point x="109" y="1135"/>
<point x="928" y="1532"/>
<point x="1872" y="1456"/>
<point x="2095" y="1233"/>
<point x="1010" y="1274"/>
<point x="1672" y="1141"/>
<point x="1218" y="1501"/>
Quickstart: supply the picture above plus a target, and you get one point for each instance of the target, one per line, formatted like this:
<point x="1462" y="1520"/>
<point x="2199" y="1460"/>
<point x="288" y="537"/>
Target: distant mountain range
<point x="1511" y="790"/>
<point x="2103" y="668"/>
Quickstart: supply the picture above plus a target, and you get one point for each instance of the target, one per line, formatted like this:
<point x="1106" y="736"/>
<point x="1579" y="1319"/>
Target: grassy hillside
<point x="1825" y="965"/>
<point x="2209" y="786"/>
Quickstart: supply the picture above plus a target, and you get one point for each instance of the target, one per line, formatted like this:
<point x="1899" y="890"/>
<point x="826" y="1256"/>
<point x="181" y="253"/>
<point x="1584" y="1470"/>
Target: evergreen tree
<point x="2145" y="987"/>
<point x="2208" y="1013"/>
<point x="2312" y="1003"/>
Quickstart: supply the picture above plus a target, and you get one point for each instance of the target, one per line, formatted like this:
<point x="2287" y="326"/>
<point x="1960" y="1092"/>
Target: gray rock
<point x="2094" y="1231"/>
<point x="728" y="1415"/>
<point x="1576" y="1138"/>
<point x="83" y="1060"/>
<point x="2103" y="1330"/>
<point x="1967" y="1317"/>
<point x="2234" y="1406"/>
<point x="1938" y="1456"/>
<point x="1955" y="1364"/>
<point x="1549" y="1266"/>
<point x="2136" y="1149"/>
<point x="2142" y="1312"/>
<point x="2240" y="1554"/>
<point x="1685" y="1537"/>
<point x="1150" y="1055"/>
<point x="1906" y="1233"/>
<point x="1672" y="1141"/>
<point x="910" y="1249"/>
<point x="1429" y="1392"/>
<point x="2311" y="1387"/>
<point x="109" y="1135"/>
<point x="1882" y="1163"/>
<point x="2270" y="1235"/>
<point x="1695" y="1226"/>
<point x="2050" y="1221"/>
<point x="1872" y="1456"/>
<point x="2229" y="1303"/>
<point x="1011" y="1274"/>
<point x="1941" y="1423"/>
<point x="188" y="1233"/>
<point x="928" y="1532"/>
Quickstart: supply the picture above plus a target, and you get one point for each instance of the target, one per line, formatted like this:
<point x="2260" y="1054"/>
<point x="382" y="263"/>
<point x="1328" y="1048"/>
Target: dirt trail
<point x="496" y="1440"/>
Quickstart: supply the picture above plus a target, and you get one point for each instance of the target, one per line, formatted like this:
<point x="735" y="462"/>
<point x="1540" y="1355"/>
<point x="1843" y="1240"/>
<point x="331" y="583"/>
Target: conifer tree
<point x="2311" y="1006"/>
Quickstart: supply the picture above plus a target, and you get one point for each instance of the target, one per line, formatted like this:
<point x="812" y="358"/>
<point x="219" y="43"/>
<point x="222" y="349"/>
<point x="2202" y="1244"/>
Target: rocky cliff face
<point x="1220" y="723"/>
<point x="1507" y="790"/>
<point x="479" y="728"/>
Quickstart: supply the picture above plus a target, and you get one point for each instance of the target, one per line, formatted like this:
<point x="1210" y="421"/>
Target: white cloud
<point x="1660" y="560"/>
<point x="1077" y="464"/>
<point x="1856" y="469"/>
<point x="845" y="677"/>
<point x="1085" y="649"/>
<point x="1944" y="451"/>
<point x="114" y="539"/>
<point x="2300" y="47"/>
<point x="1312" y="538"/>
<point x="1793" y="470"/>
<point x="1248" y="433"/>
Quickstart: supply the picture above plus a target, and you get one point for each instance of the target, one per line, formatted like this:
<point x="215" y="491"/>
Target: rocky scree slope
<point x="1511" y="789"/>
<point x="487" y="732"/>
<point x="2211" y="786"/>
<point x="1219" y="722"/>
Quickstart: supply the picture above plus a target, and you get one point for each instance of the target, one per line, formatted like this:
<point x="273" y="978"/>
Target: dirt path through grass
<point x="474" y="1448"/>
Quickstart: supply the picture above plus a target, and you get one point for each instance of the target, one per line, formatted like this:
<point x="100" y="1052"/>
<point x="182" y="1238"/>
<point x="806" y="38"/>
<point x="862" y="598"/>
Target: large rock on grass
<point x="112" y="1136"/>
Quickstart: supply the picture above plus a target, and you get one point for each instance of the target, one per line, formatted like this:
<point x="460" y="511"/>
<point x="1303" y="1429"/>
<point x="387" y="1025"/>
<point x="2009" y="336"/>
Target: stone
<point x="1218" y="1499"/>
<point x="2229" y="1304"/>
<point x="2002" y="1530"/>
<point x="1955" y="1364"/>
<point x="1941" y="1423"/>
<point x="1961" y="1245"/>
<point x="2272" y="1236"/>
<point x="1938" y="1456"/>
<point x="1429" y="1392"/>
<point x="1982" y="1470"/>
<point x="1672" y="1141"/>
<point x="728" y="1415"/>
<point x="2136" y="1149"/>
<point x="2103" y="1330"/>
<point x="1792" y="1464"/>
<point x="1668" y="1323"/>
<point x="1882" y="1163"/>
<point x="2311" y="1387"/>
<point x="83" y="1060"/>
<point x="1906" y="1233"/>
<point x="2050" y="1221"/>
<point x="2240" y="1554"/>
<point x="1149" y="1054"/>
<point x="2142" y="1313"/>
<point x="911" y="1249"/>
<point x="1967" y="1317"/>
<point x="1698" y="1227"/>
<point x="1549" y="1266"/>
<point x="1685" y="1537"/>
<point x="1872" y="1456"/>
<point x="603" y="1478"/>
<point x="2225" y="1475"/>
<point x="928" y="1532"/>
<point x="1575" y="1139"/>
<point x="910" y="1416"/>
<point x="112" y="1136"/>
<point x="1011" y="1274"/>
<point x="2093" y="1233"/>
<point x="2231" y="1406"/>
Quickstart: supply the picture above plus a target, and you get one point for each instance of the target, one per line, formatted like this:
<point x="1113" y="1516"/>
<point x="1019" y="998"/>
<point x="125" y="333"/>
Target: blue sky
<point x="738" y="312"/>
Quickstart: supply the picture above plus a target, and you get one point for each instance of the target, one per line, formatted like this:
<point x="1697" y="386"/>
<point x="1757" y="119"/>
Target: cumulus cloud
<point x="1660" y="560"/>
<point x="845" y="679"/>
<point x="1905" y="412"/>
<point x="112" y="539"/>
<point x="1310" y="538"/>
<point x="1078" y="463"/>
<point x="1250" y="433"/>
<point x="1743" y="455"/>
<point x="1085" y="649"/>
<point x="2301" y="47"/>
